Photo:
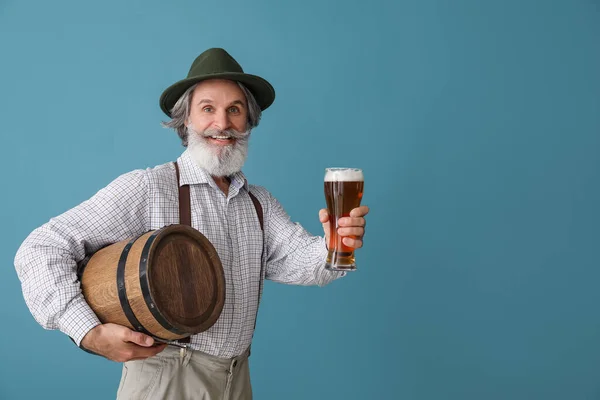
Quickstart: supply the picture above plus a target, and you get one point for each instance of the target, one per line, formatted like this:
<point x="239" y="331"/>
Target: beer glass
<point x="343" y="192"/>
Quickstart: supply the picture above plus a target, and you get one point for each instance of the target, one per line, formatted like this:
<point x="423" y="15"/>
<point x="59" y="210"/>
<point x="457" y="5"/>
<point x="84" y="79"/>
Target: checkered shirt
<point x="144" y="200"/>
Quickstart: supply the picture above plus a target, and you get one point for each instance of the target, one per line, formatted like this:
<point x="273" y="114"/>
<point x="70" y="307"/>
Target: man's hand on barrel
<point x="119" y="343"/>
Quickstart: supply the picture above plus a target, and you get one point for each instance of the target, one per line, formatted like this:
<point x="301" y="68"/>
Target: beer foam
<point x="344" y="175"/>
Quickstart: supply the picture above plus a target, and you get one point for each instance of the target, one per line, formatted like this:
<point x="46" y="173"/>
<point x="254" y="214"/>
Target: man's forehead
<point x="219" y="88"/>
<point x="217" y="84"/>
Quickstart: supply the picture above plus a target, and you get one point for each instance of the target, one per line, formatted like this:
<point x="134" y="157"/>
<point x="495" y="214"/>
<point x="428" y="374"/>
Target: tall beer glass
<point x="343" y="192"/>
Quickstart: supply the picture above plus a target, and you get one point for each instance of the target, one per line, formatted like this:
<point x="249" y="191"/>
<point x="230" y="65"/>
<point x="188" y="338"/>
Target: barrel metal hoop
<point x="125" y="306"/>
<point x="145" y="285"/>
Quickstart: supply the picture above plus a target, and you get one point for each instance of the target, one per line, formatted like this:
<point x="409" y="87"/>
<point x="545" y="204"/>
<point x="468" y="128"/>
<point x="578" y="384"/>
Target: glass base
<point x="331" y="267"/>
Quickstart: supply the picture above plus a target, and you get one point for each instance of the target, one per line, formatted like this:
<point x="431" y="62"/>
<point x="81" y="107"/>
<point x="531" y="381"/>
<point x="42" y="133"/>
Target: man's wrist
<point x="84" y="341"/>
<point x="77" y="320"/>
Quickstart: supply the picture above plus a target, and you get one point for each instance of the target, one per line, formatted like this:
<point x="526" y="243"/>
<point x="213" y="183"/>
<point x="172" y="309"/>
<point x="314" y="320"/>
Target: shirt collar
<point x="191" y="173"/>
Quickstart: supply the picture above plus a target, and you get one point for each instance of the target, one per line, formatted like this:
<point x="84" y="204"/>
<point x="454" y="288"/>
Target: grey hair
<point x="181" y="111"/>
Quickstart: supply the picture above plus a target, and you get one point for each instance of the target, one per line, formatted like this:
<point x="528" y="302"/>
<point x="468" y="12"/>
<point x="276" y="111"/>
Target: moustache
<point x="222" y="134"/>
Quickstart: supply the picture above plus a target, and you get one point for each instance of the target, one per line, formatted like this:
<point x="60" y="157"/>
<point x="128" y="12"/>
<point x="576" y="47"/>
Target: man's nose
<point x="222" y="121"/>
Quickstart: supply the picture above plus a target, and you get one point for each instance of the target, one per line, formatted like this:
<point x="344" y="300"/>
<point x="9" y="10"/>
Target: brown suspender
<point x="185" y="214"/>
<point x="258" y="207"/>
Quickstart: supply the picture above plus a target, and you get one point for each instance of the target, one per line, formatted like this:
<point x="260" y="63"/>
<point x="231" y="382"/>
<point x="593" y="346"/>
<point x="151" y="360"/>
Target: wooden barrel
<point x="168" y="283"/>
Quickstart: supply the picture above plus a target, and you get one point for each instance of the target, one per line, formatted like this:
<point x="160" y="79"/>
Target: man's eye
<point x="207" y="109"/>
<point x="234" y="110"/>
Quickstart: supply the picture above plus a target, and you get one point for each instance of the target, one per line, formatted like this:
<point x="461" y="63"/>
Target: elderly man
<point x="213" y="111"/>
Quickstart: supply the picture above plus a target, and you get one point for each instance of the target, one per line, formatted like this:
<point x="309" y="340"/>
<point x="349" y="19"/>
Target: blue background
<point x="477" y="124"/>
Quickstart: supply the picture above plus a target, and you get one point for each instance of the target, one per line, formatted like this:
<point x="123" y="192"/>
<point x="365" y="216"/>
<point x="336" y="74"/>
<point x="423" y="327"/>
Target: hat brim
<point x="261" y="89"/>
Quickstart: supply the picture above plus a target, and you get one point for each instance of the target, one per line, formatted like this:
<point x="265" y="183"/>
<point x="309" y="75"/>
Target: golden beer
<point x="343" y="192"/>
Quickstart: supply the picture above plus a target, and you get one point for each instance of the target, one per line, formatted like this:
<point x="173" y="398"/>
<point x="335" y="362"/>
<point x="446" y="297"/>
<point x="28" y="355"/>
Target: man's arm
<point x="293" y="255"/>
<point x="47" y="260"/>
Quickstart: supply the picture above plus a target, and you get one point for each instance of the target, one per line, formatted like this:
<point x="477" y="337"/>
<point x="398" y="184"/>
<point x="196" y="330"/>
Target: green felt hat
<point x="218" y="64"/>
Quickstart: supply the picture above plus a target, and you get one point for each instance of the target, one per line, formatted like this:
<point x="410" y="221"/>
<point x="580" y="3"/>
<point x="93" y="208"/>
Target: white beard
<point x="218" y="161"/>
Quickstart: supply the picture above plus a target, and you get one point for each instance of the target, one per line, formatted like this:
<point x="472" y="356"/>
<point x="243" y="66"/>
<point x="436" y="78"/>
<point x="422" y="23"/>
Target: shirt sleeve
<point x="293" y="255"/>
<point x="46" y="261"/>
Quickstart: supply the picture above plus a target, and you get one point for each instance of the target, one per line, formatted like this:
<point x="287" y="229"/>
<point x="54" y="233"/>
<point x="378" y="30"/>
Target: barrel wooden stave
<point x="99" y="287"/>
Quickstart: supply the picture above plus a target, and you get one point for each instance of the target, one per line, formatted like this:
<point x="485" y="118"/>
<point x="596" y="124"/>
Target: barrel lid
<point x="185" y="278"/>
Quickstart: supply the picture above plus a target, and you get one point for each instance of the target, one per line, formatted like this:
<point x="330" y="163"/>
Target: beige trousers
<point x="185" y="374"/>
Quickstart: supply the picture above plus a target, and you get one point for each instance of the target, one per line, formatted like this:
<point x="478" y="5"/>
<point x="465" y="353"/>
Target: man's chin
<point x="207" y="149"/>
<point x="210" y="162"/>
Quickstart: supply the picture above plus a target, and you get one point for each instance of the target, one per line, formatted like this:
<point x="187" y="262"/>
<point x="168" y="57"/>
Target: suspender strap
<point x="185" y="212"/>
<point x="259" y="211"/>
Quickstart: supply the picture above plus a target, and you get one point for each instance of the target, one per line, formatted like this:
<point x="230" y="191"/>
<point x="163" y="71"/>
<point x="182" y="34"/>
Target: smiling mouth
<point x="221" y="139"/>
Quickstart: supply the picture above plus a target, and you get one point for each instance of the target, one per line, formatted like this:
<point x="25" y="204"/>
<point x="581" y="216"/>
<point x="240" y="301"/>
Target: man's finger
<point x="359" y="211"/>
<point x="323" y="216"/>
<point x="347" y="221"/>
<point x="141" y="353"/>
<point x="145" y="352"/>
<point x="354" y="243"/>
<point x="357" y="231"/>
<point x="139" y="338"/>
<point x="154" y="350"/>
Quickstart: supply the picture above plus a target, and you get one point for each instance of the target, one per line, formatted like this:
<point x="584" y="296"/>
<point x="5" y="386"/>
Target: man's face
<point x="218" y="104"/>
<point x="217" y="124"/>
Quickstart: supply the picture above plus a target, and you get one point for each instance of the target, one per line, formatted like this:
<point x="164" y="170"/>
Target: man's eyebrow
<point x="235" y="102"/>
<point x="240" y="102"/>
